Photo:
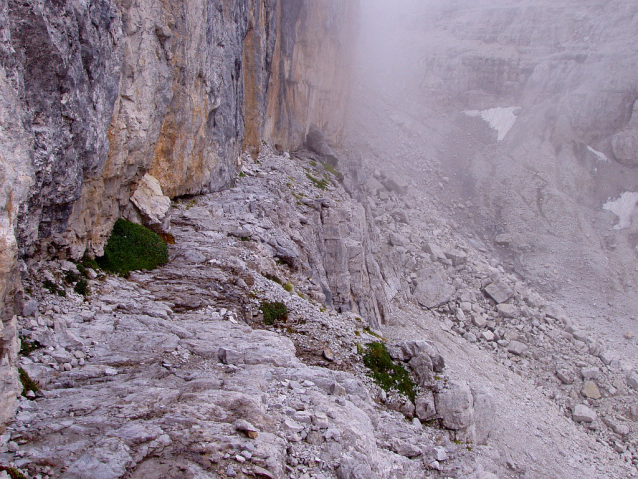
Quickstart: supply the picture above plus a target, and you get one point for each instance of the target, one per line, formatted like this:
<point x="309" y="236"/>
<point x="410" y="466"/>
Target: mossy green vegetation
<point x="13" y="472"/>
<point x="273" y="278"/>
<point x="28" y="384"/>
<point x="132" y="247"/>
<point x="274" y="312"/>
<point x="332" y="170"/>
<point x="70" y="277"/>
<point x="321" y="184"/>
<point x="388" y="374"/>
<point x="27" y="346"/>
<point x="87" y="263"/>
<point x="288" y="286"/>
<point x="82" y="287"/>
<point x="53" y="288"/>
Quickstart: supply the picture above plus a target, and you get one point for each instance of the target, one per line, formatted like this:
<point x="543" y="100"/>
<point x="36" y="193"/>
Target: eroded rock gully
<point x="173" y="373"/>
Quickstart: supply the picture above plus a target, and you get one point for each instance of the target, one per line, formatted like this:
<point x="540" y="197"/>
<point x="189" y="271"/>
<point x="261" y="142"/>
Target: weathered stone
<point x="484" y="413"/>
<point x="457" y="257"/>
<point x="247" y="428"/>
<point x="108" y="460"/>
<point x="517" y="348"/>
<point x="503" y="239"/>
<point x="498" y="292"/>
<point x="425" y="406"/>
<point x="434" y="249"/>
<point x="564" y="376"/>
<point x="506" y="310"/>
<point x="423" y="369"/>
<point x="632" y="379"/>
<point x="432" y="290"/>
<point x="590" y="373"/>
<point x="590" y="390"/>
<point x="151" y="202"/>
<point x="455" y="405"/>
<point x="583" y="414"/>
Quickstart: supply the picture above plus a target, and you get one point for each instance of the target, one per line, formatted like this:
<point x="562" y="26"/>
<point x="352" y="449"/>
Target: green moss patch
<point x="274" y="312"/>
<point x="13" y="472"/>
<point x="132" y="247"/>
<point x="82" y="287"/>
<point x="28" y="384"/>
<point x="388" y="374"/>
<point x="27" y="346"/>
<point x="321" y="184"/>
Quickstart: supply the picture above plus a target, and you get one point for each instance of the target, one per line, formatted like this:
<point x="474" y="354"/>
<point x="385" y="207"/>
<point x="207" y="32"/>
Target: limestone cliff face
<point x="96" y="94"/>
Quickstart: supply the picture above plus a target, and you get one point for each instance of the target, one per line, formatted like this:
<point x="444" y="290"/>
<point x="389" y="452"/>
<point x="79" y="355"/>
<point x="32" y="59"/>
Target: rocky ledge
<point x="180" y="371"/>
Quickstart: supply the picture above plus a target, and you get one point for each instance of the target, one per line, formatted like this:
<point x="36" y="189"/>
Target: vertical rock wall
<point x="95" y="94"/>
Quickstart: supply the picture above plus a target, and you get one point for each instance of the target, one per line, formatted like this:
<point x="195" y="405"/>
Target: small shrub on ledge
<point x="387" y="374"/>
<point x="132" y="247"/>
<point x="274" y="312"/>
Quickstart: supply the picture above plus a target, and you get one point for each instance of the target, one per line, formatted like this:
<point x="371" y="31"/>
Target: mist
<point x="524" y="111"/>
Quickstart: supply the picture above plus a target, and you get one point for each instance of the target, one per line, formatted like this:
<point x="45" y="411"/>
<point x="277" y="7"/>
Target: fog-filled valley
<point x="522" y="111"/>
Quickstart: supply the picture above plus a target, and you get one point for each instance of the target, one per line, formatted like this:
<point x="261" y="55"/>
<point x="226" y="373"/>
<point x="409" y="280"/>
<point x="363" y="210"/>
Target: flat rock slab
<point x="583" y="414"/>
<point x="590" y="390"/>
<point x="432" y="290"/>
<point x="517" y="348"/>
<point x="498" y="292"/>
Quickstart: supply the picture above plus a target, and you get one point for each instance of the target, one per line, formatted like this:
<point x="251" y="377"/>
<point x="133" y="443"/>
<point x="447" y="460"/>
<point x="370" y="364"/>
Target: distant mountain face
<point x="528" y="107"/>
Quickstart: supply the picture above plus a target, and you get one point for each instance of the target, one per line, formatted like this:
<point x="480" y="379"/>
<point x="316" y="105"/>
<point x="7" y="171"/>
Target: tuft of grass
<point x="274" y="278"/>
<point x="53" y="288"/>
<point x="82" y="287"/>
<point x="288" y="287"/>
<point x="274" y="312"/>
<point x="13" y="472"/>
<point x="331" y="169"/>
<point x="88" y="263"/>
<point x="321" y="184"/>
<point x="387" y="374"/>
<point x="70" y="277"/>
<point x="27" y="346"/>
<point x="242" y="174"/>
<point x="132" y="247"/>
<point x="28" y="384"/>
<point x="83" y="270"/>
<point x="372" y="333"/>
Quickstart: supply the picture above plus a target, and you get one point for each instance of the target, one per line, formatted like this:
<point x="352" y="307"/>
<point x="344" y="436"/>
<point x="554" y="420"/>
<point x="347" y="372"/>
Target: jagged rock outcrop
<point x="97" y="94"/>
